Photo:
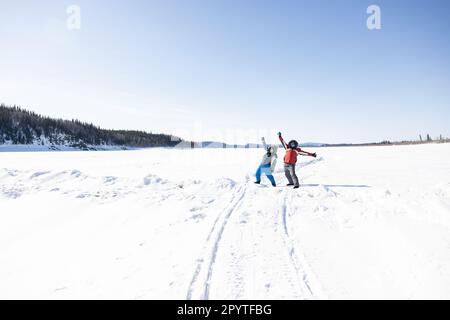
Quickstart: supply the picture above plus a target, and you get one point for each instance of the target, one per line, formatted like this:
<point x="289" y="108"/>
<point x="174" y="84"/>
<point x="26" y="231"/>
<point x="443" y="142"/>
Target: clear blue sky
<point x="311" y="69"/>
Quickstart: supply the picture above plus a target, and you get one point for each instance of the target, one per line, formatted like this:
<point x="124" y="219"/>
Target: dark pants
<point x="289" y="171"/>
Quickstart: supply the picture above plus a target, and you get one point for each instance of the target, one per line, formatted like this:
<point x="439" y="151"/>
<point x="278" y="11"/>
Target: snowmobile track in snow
<point x="303" y="277"/>
<point x="201" y="271"/>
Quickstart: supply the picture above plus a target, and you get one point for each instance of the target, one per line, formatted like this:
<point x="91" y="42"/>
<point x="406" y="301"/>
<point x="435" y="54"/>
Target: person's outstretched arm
<point x="306" y="153"/>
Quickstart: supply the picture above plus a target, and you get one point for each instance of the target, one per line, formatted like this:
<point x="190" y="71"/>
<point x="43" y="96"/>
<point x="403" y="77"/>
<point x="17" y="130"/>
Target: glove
<point x="279" y="134"/>
<point x="314" y="155"/>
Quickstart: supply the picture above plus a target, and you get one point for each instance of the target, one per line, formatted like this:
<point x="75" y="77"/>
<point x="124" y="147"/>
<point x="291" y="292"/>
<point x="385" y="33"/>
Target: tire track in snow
<point x="306" y="280"/>
<point x="216" y="245"/>
<point x="206" y="273"/>
<point x="253" y="261"/>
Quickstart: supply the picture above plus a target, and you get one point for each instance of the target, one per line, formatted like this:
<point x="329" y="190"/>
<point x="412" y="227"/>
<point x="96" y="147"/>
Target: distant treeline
<point x="19" y="126"/>
<point x="390" y="143"/>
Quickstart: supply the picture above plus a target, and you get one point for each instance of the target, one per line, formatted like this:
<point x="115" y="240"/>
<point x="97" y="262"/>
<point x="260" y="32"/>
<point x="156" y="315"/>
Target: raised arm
<point x="264" y="143"/>
<point x="282" y="140"/>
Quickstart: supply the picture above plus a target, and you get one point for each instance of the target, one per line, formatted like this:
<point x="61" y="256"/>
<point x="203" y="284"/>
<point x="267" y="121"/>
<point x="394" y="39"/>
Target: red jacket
<point x="291" y="154"/>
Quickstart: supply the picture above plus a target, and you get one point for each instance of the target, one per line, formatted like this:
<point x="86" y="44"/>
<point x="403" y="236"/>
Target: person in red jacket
<point x="290" y="160"/>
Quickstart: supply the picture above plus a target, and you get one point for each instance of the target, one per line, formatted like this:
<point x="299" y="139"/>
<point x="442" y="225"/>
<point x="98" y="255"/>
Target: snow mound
<point x="152" y="179"/>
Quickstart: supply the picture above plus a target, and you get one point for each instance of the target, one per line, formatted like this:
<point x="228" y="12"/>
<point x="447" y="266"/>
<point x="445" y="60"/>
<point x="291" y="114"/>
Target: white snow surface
<point x="367" y="223"/>
<point x="8" y="147"/>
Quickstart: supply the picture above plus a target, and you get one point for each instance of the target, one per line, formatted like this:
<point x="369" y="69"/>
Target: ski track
<point x="304" y="276"/>
<point x="210" y="258"/>
<point x="294" y="270"/>
<point x="216" y="245"/>
<point x="297" y="259"/>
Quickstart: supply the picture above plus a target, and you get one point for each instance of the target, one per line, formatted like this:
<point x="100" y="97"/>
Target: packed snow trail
<point x="296" y="257"/>
<point x="203" y="272"/>
<point x="161" y="223"/>
<point x="238" y="249"/>
<point x="232" y="242"/>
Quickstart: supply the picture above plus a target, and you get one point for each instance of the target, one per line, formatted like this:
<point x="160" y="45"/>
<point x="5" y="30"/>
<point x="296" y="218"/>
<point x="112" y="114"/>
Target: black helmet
<point x="293" y="144"/>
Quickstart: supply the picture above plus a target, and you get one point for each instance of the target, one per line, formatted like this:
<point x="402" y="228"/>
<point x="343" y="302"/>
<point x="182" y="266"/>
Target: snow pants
<point x="289" y="171"/>
<point x="266" y="170"/>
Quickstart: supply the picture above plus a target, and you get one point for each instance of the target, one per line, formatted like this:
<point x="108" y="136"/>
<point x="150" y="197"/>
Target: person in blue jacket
<point x="268" y="163"/>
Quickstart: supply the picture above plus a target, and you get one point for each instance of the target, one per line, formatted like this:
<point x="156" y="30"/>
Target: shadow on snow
<point x="336" y="185"/>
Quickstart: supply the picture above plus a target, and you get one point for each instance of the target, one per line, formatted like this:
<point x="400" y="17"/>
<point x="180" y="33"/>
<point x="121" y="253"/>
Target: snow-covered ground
<point x="371" y="222"/>
<point x="51" y="147"/>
